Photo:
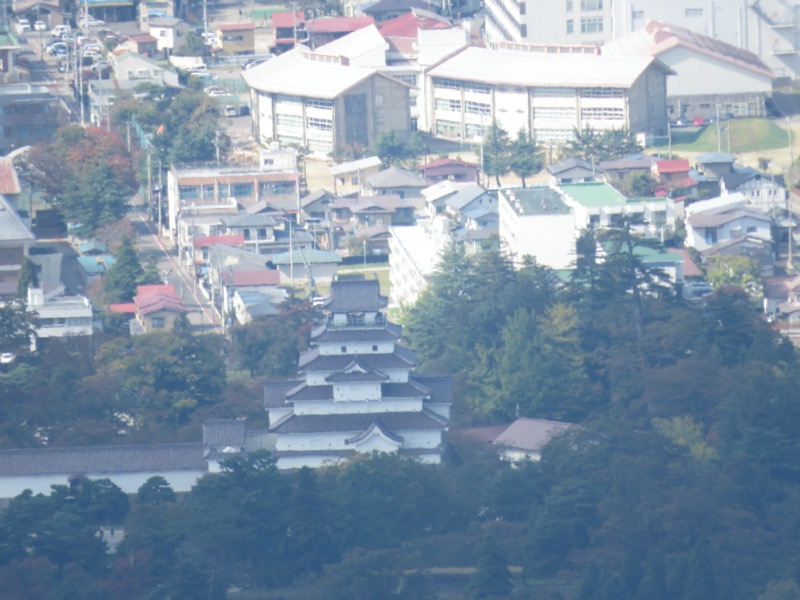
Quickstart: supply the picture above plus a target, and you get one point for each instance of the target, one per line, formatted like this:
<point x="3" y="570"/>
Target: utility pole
<point x="719" y="138"/>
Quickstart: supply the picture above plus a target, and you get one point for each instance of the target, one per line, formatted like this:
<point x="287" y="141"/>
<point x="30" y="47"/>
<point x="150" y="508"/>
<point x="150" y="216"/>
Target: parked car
<point x="215" y="91"/>
<point x="6" y="358"/>
<point x="699" y="121"/>
<point x="52" y="48"/>
<point x="40" y="26"/>
<point x="23" y="26"/>
<point x="60" y="30"/>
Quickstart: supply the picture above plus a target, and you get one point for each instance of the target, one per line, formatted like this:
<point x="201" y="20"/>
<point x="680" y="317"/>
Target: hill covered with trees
<point x="680" y="483"/>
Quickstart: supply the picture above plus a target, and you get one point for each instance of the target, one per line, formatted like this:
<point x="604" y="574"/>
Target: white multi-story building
<point x="523" y="87"/>
<point x="768" y="28"/>
<point x="536" y="222"/>
<point x="358" y="392"/>
<point x="316" y="101"/>
<point x="60" y="315"/>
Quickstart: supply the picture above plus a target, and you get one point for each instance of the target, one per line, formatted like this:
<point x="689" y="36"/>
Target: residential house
<point x="708" y="225"/>
<point x="16" y="239"/>
<point x="236" y="38"/>
<point x="766" y="192"/>
<point x="200" y="251"/>
<point x="318" y="102"/>
<point x="157" y="308"/>
<point x="257" y="231"/>
<point x="314" y="265"/>
<point x="170" y="32"/>
<point x="141" y="43"/>
<point x="600" y="205"/>
<point x="758" y="249"/>
<point x="241" y="279"/>
<point x="286" y="27"/>
<point x="525" y="438"/>
<point x="249" y="304"/>
<point x="383" y="10"/>
<point x="93" y="267"/>
<point x="358" y="392"/>
<point x="573" y="170"/>
<point x="536" y="222"/>
<point x="450" y="169"/>
<point x="436" y="195"/>
<point x="59" y="314"/>
<point x="548" y="95"/>
<point x="387" y="209"/>
<point x="397" y="181"/>
<point x="325" y="30"/>
<point x="708" y="171"/>
<point x="375" y="239"/>
<point x="315" y="216"/>
<point x="349" y="177"/>
<point x="712" y="76"/>
<point x="621" y="171"/>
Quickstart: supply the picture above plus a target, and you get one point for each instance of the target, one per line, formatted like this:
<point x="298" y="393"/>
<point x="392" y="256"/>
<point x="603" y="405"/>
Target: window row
<point x="603" y="114"/>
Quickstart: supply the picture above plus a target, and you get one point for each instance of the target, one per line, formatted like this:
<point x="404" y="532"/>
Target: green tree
<point x="28" y="277"/>
<point x="95" y="200"/>
<point x="391" y="148"/>
<point x="491" y="579"/>
<point x="155" y="491"/>
<point x="119" y="283"/>
<point x="641" y="185"/>
<point x="272" y="346"/>
<point x="108" y="503"/>
<point x="496" y="152"/>
<point x="741" y="271"/>
<point x="596" y="146"/>
<point x="17" y="326"/>
<point x="526" y="158"/>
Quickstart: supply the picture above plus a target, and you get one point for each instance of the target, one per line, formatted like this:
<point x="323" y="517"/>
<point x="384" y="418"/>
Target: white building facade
<point x="768" y="28"/>
<point x="536" y="222"/>
<point x="547" y="95"/>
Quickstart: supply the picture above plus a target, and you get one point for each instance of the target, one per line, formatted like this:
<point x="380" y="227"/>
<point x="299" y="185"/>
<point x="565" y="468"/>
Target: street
<point x="201" y="313"/>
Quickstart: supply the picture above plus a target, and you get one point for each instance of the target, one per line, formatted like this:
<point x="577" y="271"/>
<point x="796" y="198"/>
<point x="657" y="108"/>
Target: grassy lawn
<point x="746" y="135"/>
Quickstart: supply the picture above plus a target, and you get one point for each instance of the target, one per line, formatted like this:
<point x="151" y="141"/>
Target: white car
<point x="23" y="26"/>
<point x="40" y="26"/>
<point x="6" y="358"/>
<point x="215" y="92"/>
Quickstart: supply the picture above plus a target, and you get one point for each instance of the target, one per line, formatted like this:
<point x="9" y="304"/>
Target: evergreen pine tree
<point x="119" y="283"/>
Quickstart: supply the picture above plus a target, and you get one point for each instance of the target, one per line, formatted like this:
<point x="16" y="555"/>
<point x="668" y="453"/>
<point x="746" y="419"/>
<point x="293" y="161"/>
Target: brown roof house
<point x="157" y="308"/>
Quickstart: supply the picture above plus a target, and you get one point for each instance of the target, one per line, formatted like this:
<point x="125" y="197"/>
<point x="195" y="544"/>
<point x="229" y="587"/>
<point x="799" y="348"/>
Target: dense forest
<point x="681" y="481"/>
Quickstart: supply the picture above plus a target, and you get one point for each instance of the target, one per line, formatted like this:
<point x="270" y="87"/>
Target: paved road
<point x="201" y="313"/>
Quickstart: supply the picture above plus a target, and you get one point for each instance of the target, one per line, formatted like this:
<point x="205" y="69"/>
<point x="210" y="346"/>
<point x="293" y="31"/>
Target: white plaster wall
<point x="179" y="481"/>
<point x="332" y="348"/>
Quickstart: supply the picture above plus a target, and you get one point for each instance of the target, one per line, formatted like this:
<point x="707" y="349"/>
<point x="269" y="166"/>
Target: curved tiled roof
<point x="394" y="421"/>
